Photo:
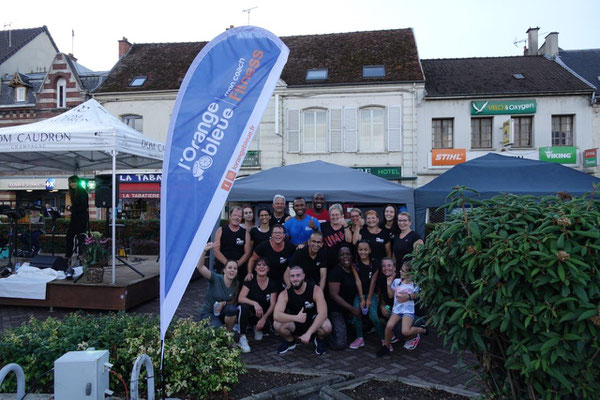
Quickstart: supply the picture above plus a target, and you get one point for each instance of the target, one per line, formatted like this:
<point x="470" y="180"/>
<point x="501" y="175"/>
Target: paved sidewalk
<point x="431" y="361"/>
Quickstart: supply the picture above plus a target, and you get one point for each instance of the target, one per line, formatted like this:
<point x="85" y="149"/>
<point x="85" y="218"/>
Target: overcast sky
<point x="443" y="29"/>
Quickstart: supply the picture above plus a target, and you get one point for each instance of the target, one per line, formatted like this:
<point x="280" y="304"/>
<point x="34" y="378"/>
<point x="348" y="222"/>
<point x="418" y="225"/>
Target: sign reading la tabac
<point x="503" y="107"/>
<point x="559" y="155"/>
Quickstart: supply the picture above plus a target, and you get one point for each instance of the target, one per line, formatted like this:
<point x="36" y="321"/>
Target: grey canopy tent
<point x="337" y="183"/>
<point x="85" y="138"/>
<point x="494" y="174"/>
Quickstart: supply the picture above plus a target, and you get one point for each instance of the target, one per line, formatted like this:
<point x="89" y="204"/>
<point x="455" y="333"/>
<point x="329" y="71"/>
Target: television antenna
<point x="249" y="10"/>
<point x="9" y="26"/>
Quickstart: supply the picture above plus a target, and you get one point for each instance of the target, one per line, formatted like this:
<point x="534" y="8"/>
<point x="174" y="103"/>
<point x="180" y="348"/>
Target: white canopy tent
<point x="85" y="138"/>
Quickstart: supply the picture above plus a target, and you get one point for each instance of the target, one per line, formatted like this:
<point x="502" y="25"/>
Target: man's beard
<point x="298" y="286"/>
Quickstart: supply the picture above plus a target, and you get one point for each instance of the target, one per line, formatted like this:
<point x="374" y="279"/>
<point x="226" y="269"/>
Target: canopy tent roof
<point x="80" y="139"/>
<point x="337" y="183"/>
<point x="494" y="174"/>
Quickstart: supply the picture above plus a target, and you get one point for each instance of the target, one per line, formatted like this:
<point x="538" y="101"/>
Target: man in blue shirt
<point x="301" y="226"/>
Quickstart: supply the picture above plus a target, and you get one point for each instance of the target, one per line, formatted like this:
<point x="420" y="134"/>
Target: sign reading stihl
<point x="442" y="157"/>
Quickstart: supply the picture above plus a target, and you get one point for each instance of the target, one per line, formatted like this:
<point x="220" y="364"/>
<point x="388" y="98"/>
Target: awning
<point x="139" y="190"/>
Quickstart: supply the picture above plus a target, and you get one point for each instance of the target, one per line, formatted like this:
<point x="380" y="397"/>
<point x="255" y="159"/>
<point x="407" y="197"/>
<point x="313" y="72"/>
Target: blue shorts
<point x="407" y="314"/>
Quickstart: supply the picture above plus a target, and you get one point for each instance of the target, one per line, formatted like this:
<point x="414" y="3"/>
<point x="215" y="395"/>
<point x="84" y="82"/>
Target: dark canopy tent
<point x="494" y="174"/>
<point x="337" y="183"/>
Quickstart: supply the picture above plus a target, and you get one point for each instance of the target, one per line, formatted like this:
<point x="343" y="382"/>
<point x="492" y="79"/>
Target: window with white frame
<point x="481" y="133"/>
<point x="315" y="133"/>
<point x="371" y="136"/>
<point x="21" y="93"/>
<point x="134" y="121"/>
<point x="61" y="93"/>
<point x="562" y="130"/>
<point x="369" y="129"/>
<point x="442" y="133"/>
<point x="523" y="131"/>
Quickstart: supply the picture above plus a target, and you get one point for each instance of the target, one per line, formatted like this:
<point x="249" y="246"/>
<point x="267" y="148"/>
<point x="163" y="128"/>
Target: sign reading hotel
<point x="590" y="157"/>
<point x="559" y="155"/>
<point x="444" y="157"/>
<point x="382" y="172"/>
<point x="503" y="107"/>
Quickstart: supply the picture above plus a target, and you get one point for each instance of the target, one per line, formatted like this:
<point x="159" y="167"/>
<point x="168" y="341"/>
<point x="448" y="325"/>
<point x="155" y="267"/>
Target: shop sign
<point x="442" y="157"/>
<point x="139" y="195"/>
<point x="139" y="178"/>
<point x="382" y="172"/>
<point x="559" y="155"/>
<point x="252" y="159"/>
<point x="590" y="157"/>
<point x="50" y="184"/>
<point x="503" y="107"/>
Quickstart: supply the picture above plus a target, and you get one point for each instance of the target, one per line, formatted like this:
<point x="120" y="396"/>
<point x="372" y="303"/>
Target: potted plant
<point x="95" y="257"/>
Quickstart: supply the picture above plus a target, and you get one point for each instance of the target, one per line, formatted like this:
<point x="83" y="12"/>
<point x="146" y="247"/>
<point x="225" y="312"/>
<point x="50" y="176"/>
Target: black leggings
<point x="248" y="315"/>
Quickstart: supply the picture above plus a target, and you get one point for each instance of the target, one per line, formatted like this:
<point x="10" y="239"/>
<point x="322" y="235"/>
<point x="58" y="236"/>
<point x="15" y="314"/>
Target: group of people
<point x="314" y="276"/>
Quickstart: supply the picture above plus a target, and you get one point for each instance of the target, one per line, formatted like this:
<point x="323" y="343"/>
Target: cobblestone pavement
<point x="431" y="361"/>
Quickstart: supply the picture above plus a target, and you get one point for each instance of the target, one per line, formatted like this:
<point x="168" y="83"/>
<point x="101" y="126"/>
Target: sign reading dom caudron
<point x="503" y="107"/>
<point x="559" y="155"/>
<point x="444" y="157"/>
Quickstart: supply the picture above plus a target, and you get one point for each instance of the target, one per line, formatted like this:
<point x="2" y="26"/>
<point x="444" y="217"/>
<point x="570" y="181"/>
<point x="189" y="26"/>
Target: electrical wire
<point x="34" y="385"/>
<point x="123" y="382"/>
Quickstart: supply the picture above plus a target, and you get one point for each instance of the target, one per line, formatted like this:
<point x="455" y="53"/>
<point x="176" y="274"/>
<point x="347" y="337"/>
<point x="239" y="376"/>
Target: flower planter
<point x="94" y="274"/>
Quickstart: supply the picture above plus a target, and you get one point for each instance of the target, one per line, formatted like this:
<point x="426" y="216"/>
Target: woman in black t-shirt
<point x="262" y="232"/>
<point x="336" y="233"/>
<point x="389" y="224"/>
<point x="257" y="301"/>
<point x="405" y="241"/>
<point x="383" y="299"/>
<point x="342" y="291"/>
<point x="378" y="238"/>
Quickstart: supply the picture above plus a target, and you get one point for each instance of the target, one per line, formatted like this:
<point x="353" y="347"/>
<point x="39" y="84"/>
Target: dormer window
<point x="373" y="71"/>
<point x="21" y="93"/>
<point x="61" y="93"/>
<point x="317" y="74"/>
<point x="137" y="81"/>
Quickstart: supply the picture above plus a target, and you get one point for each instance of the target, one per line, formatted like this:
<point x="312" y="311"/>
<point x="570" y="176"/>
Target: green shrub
<point x="516" y="281"/>
<point x="198" y="358"/>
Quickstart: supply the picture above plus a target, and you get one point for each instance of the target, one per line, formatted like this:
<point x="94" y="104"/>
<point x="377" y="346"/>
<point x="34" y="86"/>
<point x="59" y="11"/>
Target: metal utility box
<point x="81" y="375"/>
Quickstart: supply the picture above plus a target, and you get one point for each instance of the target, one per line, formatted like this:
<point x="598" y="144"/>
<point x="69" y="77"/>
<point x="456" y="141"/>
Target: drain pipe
<point x="142" y="359"/>
<point x="16" y="368"/>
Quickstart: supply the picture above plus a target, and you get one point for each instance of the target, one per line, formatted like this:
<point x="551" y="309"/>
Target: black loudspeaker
<point x="55" y="262"/>
<point x="103" y="191"/>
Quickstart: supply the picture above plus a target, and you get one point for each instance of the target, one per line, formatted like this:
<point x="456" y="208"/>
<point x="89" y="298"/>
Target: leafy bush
<point x="516" y="281"/>
<point x="198" y="358"/>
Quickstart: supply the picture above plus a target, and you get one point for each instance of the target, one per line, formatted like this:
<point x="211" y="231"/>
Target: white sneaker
<point x="244" y="344"/>
<point x="236" y="328"/>
<point x="258" y="335"/>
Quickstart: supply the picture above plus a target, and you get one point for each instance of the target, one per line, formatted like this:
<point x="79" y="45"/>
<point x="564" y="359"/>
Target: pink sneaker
<point x="412" y="344"/>
<point x="359" y="342"/>
<point x="394" y="339"/>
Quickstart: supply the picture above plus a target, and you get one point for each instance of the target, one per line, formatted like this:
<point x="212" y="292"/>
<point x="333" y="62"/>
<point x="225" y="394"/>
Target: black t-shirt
<point x="333" y="239"/>
<point x="312" y="268"/>
<point x="377" y="241"/>
<point x="232" y="244"/>
<point x="262" y="297"/>
<point x="403" y="246"/>
<point x="365" y="273"/>
<point x="274" y="220"/>
<point x="297" y="302"/>
<point x="258" y="237"/>
<point x="347" y="287"/>
<point x="277" y="261"/>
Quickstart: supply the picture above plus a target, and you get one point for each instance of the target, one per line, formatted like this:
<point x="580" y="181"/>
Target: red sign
<point x="139" y="191"/>
<point x="448" y="156"/>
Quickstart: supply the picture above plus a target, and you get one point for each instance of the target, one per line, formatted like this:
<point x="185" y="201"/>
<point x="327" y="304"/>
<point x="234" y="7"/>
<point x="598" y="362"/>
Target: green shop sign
<point x="503" y="107"/>
<point x="560" y="155"/>
<point x="382" y="172"/>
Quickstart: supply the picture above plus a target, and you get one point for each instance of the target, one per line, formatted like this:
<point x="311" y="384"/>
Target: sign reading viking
<point x="218" y="109"/>
<point x="559" y="154"/>
<point x="503" y="107"/>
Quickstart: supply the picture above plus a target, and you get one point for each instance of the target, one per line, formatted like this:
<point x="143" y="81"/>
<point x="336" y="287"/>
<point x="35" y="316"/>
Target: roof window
<point x="317" y="74"/>
<point x="373" y="71"/>
<point x="137" y="81"/>
<point x="518" y="76"/>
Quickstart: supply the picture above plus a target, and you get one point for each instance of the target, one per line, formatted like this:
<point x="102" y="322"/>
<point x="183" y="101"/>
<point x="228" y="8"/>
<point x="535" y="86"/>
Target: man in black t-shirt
<point x="313" y="259"/>
<point x="301" y="311"/>
<point x="279" y="215"/>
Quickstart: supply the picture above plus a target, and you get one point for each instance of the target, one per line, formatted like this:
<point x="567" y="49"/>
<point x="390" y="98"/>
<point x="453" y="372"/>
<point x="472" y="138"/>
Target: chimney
<point x="551" y="45"/>
<point x="532" y="41"/>
<point x="72" y="57"/>
<point x="124" y="46"/>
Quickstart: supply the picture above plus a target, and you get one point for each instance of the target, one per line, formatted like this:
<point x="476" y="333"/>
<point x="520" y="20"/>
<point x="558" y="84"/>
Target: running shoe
<point x="286" y="346"/>
<point x="359" y="342"/>
<point x="244" y="344"/>
<point x="413" y="343"/>
<point x="258" y="335"/>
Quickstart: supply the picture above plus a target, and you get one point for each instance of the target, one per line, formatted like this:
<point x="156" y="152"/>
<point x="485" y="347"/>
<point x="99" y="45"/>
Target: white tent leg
<point x="114" y="211"/>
